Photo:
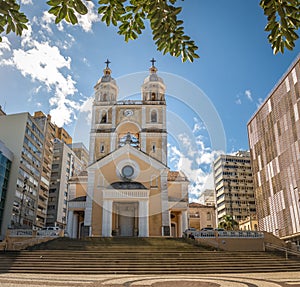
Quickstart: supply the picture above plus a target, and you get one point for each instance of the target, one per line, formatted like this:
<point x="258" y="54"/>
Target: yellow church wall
<point x="159" y="111"/>
<point x="146" y="171"/>
<point x="81" y="189"/>
<point x="97" y="219"/>
<point x="136" y="117"/>
<point x="155" y="225"/>
<point x="175" y="190"/>
<point x="105" y="141"/>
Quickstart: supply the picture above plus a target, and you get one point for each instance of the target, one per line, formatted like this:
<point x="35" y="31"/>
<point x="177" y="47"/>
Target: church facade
<point x="128" y="189"/>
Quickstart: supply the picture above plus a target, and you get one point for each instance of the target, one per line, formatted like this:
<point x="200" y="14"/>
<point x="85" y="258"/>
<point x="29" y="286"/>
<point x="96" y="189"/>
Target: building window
<point x="208" y="216"/>
<point x="103" y="117"/>
<point x="153" y="147"/>
<point x="102" y="148"/>
<point x="153" y="117"/>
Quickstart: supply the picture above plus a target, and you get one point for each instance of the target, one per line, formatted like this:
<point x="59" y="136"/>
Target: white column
<point x="179" y="226"/>
<point x="107" y="218"/>
<point x="165" y="202"/>
<point x="70" y="222"/>
<point x="184" y="220"/>
<point x="143" y="218"/>
<point x="89" y="199"/>
<point x="75" y="226"/>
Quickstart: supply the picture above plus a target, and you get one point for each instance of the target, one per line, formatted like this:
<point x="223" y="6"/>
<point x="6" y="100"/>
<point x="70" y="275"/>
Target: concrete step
<point x="138" y="256"/>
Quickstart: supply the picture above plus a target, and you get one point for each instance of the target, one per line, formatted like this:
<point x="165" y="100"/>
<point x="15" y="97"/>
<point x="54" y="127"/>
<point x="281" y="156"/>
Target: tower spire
<point x="153" y="69"/>
<point x="107" y="70"/>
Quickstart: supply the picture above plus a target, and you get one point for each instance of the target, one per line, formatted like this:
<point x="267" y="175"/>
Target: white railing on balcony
<point x="126" y="194"/>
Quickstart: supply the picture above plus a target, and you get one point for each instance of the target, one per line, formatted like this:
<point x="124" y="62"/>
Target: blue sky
<point x="54" y="69"/>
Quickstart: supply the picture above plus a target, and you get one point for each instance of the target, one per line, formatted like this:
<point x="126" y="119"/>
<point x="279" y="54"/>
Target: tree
<point x="228" y="223"/>
<point x="168" y="31"/>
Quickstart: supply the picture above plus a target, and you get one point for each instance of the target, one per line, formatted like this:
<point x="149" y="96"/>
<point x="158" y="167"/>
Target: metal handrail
<point x="282" y="248"/>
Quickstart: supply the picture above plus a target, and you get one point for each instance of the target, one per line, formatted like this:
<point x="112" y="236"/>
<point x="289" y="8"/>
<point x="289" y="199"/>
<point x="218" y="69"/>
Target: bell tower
<point x="106" y="92"/>
<point x="154" y="131"/>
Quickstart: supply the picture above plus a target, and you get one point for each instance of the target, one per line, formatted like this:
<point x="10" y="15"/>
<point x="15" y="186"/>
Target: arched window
<point x="153" y="97"/>
<point x="153" y="117"/>
<point x="103" y="119"/>
<point x="104" y="98"/>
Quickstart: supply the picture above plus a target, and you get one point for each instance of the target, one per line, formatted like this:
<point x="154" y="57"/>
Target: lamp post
<point x="24" y="189"/>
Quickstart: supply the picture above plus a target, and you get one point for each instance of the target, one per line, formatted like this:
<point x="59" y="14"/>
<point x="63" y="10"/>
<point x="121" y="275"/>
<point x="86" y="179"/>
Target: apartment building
<point x="23" y="136"/>
<point x="64" y="166"/>
<point x="234" y="186"/>
<point x="81" y="152"/>
<point x="207" y="197"/>
<point x="274" y="140"/>
<point x="48" y="129"/>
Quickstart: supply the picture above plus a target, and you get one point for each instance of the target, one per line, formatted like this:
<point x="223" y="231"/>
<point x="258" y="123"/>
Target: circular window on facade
<point x="127" y="171"/>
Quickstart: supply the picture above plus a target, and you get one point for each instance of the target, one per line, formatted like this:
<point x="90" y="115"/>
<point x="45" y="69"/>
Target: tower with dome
<point x="128" y="189"/>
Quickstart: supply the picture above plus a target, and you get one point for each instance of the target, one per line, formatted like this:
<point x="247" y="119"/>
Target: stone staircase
<point x="138" y="256"/>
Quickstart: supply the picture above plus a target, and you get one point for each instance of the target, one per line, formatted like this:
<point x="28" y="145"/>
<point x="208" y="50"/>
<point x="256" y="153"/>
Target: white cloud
<point x="248" y="95"/>
<point x="44" y="63"/>
<point x="86" y="21"/>
<point x="26" y="2"/>
<point x="195" y="159"/>
<point x="4" y="45"/>
<point x="86" y="107"/>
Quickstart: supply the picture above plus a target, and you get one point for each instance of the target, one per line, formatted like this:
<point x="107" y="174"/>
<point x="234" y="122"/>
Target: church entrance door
<point x="127" y="214"/>
<point x="126" y="225"/>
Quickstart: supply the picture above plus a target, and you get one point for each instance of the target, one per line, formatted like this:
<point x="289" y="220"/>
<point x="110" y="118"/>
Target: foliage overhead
<point x="283" y="23"/>
<point x="167" y="29"/>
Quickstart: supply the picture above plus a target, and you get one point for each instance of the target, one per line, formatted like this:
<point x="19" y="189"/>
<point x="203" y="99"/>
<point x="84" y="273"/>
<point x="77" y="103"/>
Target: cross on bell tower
<point x="107" y="63"/>
<point x="153" y="61"/>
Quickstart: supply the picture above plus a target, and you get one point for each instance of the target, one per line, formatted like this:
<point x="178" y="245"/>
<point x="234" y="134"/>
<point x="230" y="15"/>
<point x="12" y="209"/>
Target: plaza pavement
<point x="283" y="279"/>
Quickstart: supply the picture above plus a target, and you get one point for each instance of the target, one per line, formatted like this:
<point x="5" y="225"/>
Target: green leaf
<point x="80" y="7"/>
<point x="54" y="2"/>
<point x="54" y="10"/>
<point x="72" y="16"/>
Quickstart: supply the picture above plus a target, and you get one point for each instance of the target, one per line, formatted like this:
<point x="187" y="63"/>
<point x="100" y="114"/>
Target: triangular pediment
<point x="130" y="152"/>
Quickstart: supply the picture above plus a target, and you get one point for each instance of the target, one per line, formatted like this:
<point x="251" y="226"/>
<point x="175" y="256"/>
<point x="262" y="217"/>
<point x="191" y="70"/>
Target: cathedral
<point x="128" y="189"/>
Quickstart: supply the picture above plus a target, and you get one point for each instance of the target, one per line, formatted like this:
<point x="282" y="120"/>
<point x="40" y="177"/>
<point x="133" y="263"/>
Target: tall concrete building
<point x="65" y="165"/>
<point x="48" y="129"/>
<point x="81" y="152"/>
<point x="208" y="197"/>
<point x="234" y="186"/>
<point x="23" y="136"/>
<point x="6" y="158"/>
<point x="274" y="139"/>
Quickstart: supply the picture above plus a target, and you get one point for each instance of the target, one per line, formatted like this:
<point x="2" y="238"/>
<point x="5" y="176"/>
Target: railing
<point x="229" y="234"/>
<point x="131" y="194"/>
<point x="21" y="232"/>
<point x="286" y="250"/>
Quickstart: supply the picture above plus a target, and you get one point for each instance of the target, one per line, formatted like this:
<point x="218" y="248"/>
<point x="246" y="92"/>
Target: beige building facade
<point x="129" y="189"/>
<point x="201" y="216"/>
<point x="274" y="140"/>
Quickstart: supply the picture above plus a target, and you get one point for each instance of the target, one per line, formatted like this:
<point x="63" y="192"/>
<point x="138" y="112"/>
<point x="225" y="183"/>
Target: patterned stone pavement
<point x="286" y="279"/>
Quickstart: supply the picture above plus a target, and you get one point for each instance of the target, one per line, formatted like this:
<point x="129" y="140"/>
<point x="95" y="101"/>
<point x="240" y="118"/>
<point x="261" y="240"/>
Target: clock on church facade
<point x="128" y="189"/>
